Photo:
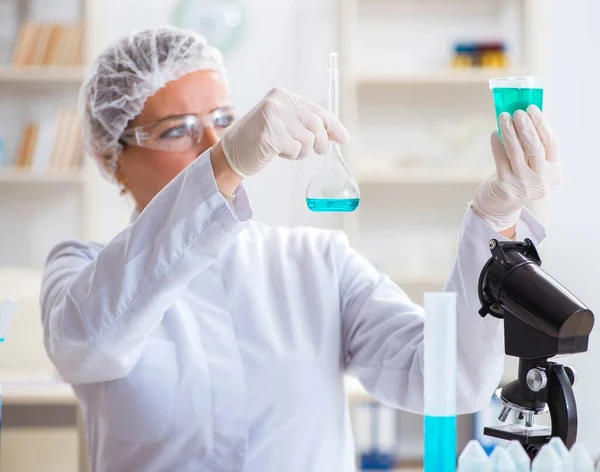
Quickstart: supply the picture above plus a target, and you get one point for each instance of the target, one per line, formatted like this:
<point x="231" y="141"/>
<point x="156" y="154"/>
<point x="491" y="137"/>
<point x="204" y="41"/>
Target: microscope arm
<point x="564" y="411"/>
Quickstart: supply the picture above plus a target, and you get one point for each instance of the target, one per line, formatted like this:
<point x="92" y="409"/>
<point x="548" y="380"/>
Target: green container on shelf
<point x="516" y="93"/>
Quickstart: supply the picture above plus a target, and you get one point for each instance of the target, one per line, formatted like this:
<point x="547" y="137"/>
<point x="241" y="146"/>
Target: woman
<point x="197" y="340"/>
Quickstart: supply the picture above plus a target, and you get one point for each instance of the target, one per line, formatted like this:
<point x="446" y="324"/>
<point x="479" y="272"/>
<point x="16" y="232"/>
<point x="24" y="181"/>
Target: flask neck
<point x="334" y="93"/>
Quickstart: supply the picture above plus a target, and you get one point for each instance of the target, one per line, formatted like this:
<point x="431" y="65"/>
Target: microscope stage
<point x="536" y="435"/>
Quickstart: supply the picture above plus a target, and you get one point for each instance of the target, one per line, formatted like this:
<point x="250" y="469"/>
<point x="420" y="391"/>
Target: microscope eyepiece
<point x="541" y="317"/>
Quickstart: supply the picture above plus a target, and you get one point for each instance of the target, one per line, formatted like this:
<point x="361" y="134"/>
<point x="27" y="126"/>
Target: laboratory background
<point x="415" y="97"/>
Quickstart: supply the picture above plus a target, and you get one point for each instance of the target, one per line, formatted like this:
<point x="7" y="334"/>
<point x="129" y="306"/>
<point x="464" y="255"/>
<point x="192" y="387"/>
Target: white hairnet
<point x="126" y="74"/>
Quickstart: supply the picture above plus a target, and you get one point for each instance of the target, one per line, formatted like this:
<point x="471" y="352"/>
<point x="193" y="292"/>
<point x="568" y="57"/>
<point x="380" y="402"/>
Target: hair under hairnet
<point x="126" y="74"/>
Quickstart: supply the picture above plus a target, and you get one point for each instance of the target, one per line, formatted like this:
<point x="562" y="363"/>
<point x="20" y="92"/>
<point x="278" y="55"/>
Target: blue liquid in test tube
<point x="440" y="382"/>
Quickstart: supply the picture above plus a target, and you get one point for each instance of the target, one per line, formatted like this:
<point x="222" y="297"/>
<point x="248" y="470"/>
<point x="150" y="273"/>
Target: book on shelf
<point x="68" y="143"/>
<point x="49" y="44"/>
<point x="26" y="147"/>
<point x="26" y="44"/>
<point x="47" y="129"/>
<point x="52" y="145"/>
<point x="61" y="133"/>
<point x="42" y="45"/>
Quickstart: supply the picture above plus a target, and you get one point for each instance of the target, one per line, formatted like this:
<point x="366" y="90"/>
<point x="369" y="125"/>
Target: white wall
<point x="574" y="220"/>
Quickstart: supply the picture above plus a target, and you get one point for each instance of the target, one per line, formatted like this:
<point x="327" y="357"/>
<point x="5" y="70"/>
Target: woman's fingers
<point x="512" y="145"/>
<point x="304" y="136"/>
<point x="289" y="148"/>
<point x="545" y="133"/>
<point x="503" y="169"/>
<point x="535" y="154"/>
<point x="335" y="129"/>
<point x="315" y="125"/>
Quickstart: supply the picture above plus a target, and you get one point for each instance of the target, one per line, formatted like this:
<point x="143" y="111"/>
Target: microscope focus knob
<point x="536" y="380"/>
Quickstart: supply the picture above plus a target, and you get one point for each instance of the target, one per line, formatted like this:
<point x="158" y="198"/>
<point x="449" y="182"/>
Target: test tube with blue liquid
<point x="333" y="188"/>
<point x="440" y="383"/>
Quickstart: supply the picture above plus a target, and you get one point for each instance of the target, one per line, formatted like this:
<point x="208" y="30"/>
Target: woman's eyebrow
<point x="166" y="117"/>
<point x="178" y="115"/>
<point x="189" y="114"/>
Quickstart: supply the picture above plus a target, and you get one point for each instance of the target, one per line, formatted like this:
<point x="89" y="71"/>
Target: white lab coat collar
<point x="134" y="215"/>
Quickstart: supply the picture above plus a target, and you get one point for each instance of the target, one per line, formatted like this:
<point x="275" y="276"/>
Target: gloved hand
<point x="282" y="124"/>
<point x="527" y="168"/>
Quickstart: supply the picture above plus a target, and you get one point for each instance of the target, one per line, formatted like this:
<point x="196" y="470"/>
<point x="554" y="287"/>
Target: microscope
<point x="541" y="320"/>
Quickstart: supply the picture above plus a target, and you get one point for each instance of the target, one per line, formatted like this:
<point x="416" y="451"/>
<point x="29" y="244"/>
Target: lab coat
<point x="197" y="340"/>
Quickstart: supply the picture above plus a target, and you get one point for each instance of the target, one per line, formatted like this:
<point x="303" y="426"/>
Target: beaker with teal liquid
<point x="516" y="93"/>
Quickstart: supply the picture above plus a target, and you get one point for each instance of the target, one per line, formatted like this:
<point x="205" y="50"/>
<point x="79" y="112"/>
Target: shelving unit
<point x="42" y="208"/>
<point x="38" y="210"/>
<point x="18" y="176"/>
<point x="401" y="99"/>
<point x="48" y="75"/>
<point x="478" y="77"/>
<point x="424" y="175"/>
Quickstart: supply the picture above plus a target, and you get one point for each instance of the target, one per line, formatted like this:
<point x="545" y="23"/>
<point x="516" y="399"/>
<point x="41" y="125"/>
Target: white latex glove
<point x="282" y="124"/>
<point x="527" y="168"/>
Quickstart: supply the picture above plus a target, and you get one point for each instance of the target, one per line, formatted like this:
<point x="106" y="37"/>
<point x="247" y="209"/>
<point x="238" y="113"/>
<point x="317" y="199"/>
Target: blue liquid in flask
<point x="440" y="444"/>
<point x="332" y="204"/>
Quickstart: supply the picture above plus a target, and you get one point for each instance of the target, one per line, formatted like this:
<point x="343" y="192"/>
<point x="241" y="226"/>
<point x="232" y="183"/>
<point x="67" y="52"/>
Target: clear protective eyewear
<point x="180" y="133"/>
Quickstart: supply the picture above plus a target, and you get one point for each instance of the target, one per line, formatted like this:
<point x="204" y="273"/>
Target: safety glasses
<point x="179" y="133"/>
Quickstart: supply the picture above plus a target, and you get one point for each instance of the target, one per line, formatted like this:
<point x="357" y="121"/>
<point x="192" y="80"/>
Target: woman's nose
<point x="209" y="139"/>
<point x="210" y="136"/>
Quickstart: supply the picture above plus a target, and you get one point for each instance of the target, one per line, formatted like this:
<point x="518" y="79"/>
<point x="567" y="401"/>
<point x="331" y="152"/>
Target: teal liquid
<point x="332" y="204"/>
<point x="510" y="100"/>
<point x="440" y="444"/>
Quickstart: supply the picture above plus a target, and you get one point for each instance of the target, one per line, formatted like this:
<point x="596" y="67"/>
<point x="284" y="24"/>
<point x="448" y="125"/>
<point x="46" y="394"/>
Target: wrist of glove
<point x="527" y="168"/>
<point x="499" y="209"/>
<point x="284" y="125"/>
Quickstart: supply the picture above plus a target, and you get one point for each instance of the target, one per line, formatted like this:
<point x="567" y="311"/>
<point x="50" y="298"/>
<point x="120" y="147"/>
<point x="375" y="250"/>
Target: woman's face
<point x="144" y="172"/>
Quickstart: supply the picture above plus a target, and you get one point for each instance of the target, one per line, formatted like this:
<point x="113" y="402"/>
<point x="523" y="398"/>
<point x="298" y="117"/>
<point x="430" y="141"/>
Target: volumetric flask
<point x="333" y="187"/>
